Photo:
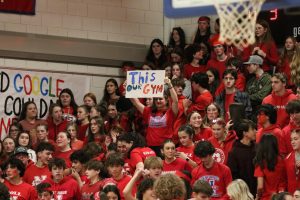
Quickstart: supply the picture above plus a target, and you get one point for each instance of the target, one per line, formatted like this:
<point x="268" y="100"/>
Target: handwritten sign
<point x="17" y="87"/>
<point x="144" y="84"/>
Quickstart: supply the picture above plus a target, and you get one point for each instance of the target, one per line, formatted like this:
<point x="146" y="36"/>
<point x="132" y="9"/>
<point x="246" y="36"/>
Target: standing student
<point x="79" y="158"/>
<point x="194" y="57"/>
<point x="238" y="190"/>
<point x="269" y="168"/>
<point x="240" y="158"/>
<point x="14" y="129"/>
<point x="202" y="132"/>
<point x="83" y="121"/>
<point x="42" y="134"/>
<point x="259" y="85"/>
<point x="157" y="54"/>
<point x="160" y="118"/>
<point x="177" y="39"/>
<point x="28" y="119"/>
<point x="63" y="150"/>
<point x="202" y="190"/>
<point x="219" y="62"/>
<point x="217" y="174"/>
<point x="56" y="122"/>
<point x="203" y="32"/>
<point x="90" y="99"/>
<point x="68" y="104"/>
<point x="72" y="129"/>
<point x="212" y="111"/>
<point x="14" y="170"/>
<point x="153" y="167"/>
<point x="24" y="140"/>
<point x="44" y="192"/>
<point x="279" y="98"/>
<point x="38" y="172"/>
<point x="63" y="187"/>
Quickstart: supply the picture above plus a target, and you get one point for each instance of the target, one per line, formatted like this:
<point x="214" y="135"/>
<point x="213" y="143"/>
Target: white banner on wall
<point x="145" y="83"/>
<point x="18" y="87"/>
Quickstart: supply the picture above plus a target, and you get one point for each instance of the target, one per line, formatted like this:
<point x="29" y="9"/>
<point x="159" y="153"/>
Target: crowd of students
<point x="227" y="127"/>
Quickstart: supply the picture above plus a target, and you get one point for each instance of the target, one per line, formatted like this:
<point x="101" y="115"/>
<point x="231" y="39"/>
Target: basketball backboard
<point x="190" y="8"/>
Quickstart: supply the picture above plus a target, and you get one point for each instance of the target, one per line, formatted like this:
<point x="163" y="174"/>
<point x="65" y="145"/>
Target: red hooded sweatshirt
<point x="66" y="189"/>
<point x="277" y="132"/>
<point x="280" y="102"/>
<point x="222" y="149"/>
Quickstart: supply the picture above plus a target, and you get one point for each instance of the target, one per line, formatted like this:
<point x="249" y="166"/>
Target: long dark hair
<point x="22" y="115"/>
<point x="267" y="152"/>
<point x="100" y="123"/>
<point x="181" y="36"/>
<point x="215" y="84"/>
<point x="73" y="103"/>
<point x="151" y="57"/>
<point x="199" y="38"/>
<point x="106" y="97"/>
<point x="267" y="37"/>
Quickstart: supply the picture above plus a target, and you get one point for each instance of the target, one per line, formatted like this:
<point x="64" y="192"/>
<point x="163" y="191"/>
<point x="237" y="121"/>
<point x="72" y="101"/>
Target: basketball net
<point x="237" y="21"/>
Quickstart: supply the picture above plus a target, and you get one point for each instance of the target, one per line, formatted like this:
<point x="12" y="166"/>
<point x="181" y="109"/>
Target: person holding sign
<point x="160" y="117"/>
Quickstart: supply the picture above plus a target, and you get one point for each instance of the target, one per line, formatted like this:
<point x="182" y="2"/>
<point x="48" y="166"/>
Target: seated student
<point x="217" y="174"/>
<point x="64" y="188"/>
<point x="240" y="158"/>
<point x="169" y="187"/>
<point x="14" y="170"/>
<point x="79" y="159"/>
<point x="202" y="190"/>
<point x="38" y="172"/>
<point x="44" y="191"/>
<point x="114" y="164"/>
<point x="153" y="167"/>
<point x="95" y="175"/>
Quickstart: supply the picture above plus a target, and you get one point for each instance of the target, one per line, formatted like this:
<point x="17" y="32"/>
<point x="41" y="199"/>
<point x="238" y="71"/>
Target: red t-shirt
<point x="293" y="182"/>
<point x="54" y="129"/>
<point x="189" y="151"/>
<point x="64" y="155"/>
<point x="23" y="191"/>
<point x="201" y="102"/>
<point x="121" y="184"/>
<point x="273" y="180"/>
<point x="127" y="169"/>
<point x="189" y="70"/>
<point x="139" y="154"/>
<point x="177" y="165"/>
<point x="82" y="131"/>
<point x="219" y="176"/>
<point x="88" y="190"/>
<point x="218" y="65"/>
<point x="229" y="99"/>
<point x="66" y="189"/>
<point x="204" y="134"/>
<point x="180" y="119"/>
<point x="277" y="132"/>
<point x="160" y="126"/>
<point x="35" y="175"/>
<point x="240" y="84"/>
<point x="223" y="148"/>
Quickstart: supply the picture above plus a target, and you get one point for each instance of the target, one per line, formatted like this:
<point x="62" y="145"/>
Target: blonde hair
<point x="153" y="162"/>
<point x="169" y="187"/>
<point x="295" y="66"/>
<point x="238" y="190"/>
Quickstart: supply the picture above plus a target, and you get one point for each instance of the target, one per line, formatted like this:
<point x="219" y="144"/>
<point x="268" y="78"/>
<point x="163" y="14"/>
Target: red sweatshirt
<point x="201" y="102"/>
<point x="180" y="119"/>
<point x="54" y="129"/>
<point x="280" y="102"/>
<point x="140" y="154"/>
<point x="21" y="191"/>
<point x="204" y="134"/>
<point x="222" y="149"/>
<point x="66" y="189"/>
<point x="218" y="65"/>
<point x="240" y="84"/>
<point x="277" y="132"/>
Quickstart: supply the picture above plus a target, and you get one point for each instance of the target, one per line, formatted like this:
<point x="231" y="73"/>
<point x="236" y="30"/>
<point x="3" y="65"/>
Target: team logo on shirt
<point x="211" y="179"/>
<point x="219" y="156"/>
<point x="38" y="179"/>
<point x="158" y="121"/>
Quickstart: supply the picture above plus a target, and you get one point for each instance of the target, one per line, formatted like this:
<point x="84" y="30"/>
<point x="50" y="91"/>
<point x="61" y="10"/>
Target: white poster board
<point x="145" y="83"/>
<point x="17" y="87"/>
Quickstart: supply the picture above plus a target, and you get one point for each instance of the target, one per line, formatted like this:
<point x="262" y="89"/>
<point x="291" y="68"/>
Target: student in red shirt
<point x="160" y="118"/>
<point x="72" y="129"/>
<point x="153" y="167"/>
<point x="194" y="56"/>
<point x="221" y="58"/>
<point x="83" y="121"/>
<point x="186" y="148"/>
<point x="95" y="174"/>
<point x="42" y="134"/>
<point x="137" y="151"/>
<point x="202" y="132"/>
<point x="292" y="166"/>
<point x="14" y="170"/>
<point x="63" y="187"/>
<point x="222" y="140"/>
<point x="44" y="191"/>
<point x="63" y="150"/>
<point x="200" y="85"/>
<point x="171" y="163"/>
<point x="96" y="132"/>
<point x="266" y="118"/>
<point x="280" y="98"/>
<point x="55" y="120"/>
<point x="202" y="190"/>
<point x="269" y="168"/>
<point x="38" y="172"/>
<point x="79" y="159"/>
<point x="216" y="174"/>
<point x="293" y="109"/>
<point x="212" y="111"/>
<point x="67" y="102"/>
<point x="114" y="164"/>
<point x="90" y="100"/>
